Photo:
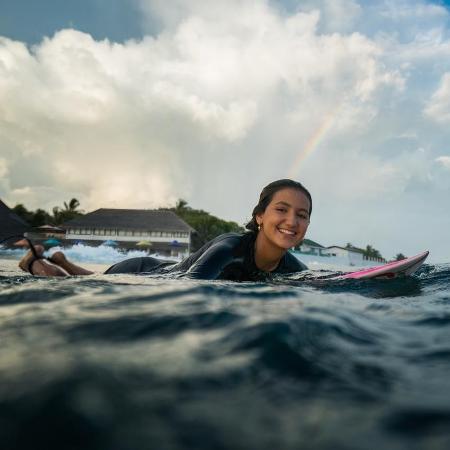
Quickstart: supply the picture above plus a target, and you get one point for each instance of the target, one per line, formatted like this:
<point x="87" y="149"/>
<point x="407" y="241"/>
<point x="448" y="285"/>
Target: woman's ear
<point x="259" y="220"/>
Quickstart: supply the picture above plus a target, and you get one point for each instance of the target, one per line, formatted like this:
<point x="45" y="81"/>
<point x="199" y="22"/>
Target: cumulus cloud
<point x="438" y="108"/>
<point x="228" y="96"/>
<point x="335" y="15"/>
<point x="444" y="161"/>
<point x="3" y="168"/>
<point x="96" y="111"/>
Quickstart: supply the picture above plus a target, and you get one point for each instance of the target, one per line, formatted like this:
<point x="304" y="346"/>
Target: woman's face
<point x="286" y="219"/>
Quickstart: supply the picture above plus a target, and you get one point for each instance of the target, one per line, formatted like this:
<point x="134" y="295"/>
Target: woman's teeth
<point x="282" y="230"/>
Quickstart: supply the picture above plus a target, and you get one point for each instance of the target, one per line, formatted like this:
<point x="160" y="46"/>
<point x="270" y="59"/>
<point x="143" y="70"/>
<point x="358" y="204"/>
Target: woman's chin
<point x="286" y="245"/>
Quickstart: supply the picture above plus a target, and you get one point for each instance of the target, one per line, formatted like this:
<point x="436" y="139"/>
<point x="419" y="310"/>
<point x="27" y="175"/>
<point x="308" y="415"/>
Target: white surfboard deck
<point x="390" y="270"/>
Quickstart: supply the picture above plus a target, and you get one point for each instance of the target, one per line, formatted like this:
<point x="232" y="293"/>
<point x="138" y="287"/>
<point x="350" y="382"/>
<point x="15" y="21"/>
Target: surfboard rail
<point x="393" y="269"/>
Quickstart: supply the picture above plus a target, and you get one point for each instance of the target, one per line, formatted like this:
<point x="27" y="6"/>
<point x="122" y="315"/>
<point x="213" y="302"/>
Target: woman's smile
<point x="289" y="232"/>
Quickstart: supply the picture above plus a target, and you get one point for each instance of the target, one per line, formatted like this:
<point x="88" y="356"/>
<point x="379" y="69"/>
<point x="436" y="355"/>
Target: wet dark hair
<point x="267" y="194"/>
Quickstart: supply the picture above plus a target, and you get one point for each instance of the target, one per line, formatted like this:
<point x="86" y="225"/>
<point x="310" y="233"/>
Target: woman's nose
<point x="291" y="219"/>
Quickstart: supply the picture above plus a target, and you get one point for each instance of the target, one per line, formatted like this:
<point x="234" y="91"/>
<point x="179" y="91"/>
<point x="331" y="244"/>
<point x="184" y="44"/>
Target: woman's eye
<point x="281" y="209"/>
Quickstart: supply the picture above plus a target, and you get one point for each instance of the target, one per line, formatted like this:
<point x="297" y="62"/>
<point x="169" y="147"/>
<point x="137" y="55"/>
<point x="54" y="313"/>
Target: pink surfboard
<point x="390" y="270"/>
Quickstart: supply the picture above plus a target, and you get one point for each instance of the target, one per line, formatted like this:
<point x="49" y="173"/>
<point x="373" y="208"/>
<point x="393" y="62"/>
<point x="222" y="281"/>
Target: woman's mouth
<point x="286" y="232"/>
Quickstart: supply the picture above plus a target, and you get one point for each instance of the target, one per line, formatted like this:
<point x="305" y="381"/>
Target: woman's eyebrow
<point x="281" y="202"/>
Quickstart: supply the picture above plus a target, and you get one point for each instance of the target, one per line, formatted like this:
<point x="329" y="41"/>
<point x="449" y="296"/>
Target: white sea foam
<point x="85" y="254"/>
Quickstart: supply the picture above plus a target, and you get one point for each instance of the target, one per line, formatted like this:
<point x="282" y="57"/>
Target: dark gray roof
<point x="131" y="219"/>
<point x="312" y="243"/>
<point x="11" y="223"/>
<point x="350" y="249"/>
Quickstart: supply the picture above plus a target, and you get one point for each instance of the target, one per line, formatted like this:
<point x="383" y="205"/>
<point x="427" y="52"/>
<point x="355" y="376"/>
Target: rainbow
<point x="313" y="142"/>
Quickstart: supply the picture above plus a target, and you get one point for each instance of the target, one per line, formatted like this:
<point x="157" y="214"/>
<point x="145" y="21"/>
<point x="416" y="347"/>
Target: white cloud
<point x="3" y="168"/>
<point x="407" y="9"/>
<point x="438" y="108"/>
<point x="335" y="15"/>
<point x="227" y="97"/>
<point x="114" y="120"/>
<point x="444" y="161"/>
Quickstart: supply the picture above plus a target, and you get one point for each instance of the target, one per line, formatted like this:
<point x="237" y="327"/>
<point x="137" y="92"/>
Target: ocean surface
<point x="133" y="362"/>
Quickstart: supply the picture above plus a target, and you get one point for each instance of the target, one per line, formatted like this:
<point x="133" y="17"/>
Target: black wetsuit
<point x="227" y="257"/>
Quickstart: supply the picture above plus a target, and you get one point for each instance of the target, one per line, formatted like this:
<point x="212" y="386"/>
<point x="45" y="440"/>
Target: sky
<point x="138" y="103"/>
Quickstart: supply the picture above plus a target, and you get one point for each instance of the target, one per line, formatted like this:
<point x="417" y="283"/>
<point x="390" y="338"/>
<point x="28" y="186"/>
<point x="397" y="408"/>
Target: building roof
<point x="11" y="223"/>
<point x="312" y="243"/>
<point x="131" y="219"/>
<point x="350" y="249"/>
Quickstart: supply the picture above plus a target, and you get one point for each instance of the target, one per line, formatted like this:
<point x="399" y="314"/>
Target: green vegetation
<point x="69" y="212"/>
<point x="368" y="252"/>
<point x="371" y="252"/>
<point x="207" y="226"/>
<point x="41" y="217"/>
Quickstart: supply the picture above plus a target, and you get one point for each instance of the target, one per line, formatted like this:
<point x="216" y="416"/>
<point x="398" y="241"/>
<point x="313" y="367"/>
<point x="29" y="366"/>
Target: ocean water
<point x="133" y="362"/>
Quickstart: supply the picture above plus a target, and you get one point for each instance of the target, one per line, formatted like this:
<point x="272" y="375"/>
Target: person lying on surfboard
<point x="279" y="222"/>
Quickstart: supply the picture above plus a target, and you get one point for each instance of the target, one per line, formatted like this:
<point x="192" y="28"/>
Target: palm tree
<point x="181" y="205"/>
<point x="69" y="212"/>
<point x="72" y="206"/>
<point x="371" y="252"/>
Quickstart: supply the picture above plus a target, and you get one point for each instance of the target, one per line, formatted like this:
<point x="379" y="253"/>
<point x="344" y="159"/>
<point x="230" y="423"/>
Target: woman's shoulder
<point x="232" y="239"/>
<point x="228" y="237"/>
<point x="290" y="264"/>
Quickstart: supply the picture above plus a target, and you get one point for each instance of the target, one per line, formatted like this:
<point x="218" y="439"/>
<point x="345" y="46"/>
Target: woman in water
<point x="279" y="222"/>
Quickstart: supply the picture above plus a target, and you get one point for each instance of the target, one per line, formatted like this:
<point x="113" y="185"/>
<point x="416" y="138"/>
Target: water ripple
<point x="139" y="362"/>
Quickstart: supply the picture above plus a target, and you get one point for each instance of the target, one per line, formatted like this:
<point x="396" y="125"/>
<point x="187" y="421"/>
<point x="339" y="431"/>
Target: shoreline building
<point x="312" y="252"/>
<point x="309" y="247"/>
<point x="355" y="255"/>
<point x="158" y="231"/>
<point x="10" y="223"/>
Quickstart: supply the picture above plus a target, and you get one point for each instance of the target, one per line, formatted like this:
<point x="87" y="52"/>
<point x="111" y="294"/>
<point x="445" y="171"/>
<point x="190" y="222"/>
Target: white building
<point x="164" y="231"/>
<point x="354" y="255"/>
<point x="309" y="247"/>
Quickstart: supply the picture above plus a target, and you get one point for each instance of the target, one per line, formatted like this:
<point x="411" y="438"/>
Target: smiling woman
<point x="282" y="224"/>
<point x="279" y="222"/>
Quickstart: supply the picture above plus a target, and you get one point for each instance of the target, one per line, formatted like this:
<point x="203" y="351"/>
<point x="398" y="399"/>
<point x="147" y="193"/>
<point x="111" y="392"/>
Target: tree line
<point x="57" y="217"/>
<point x="206" y="225"/>
<point x="370" y="252"/>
